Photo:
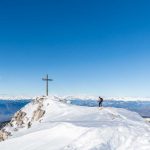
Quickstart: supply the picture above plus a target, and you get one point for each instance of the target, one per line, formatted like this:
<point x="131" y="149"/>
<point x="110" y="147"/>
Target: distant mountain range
<point x="109" y="98"/>
<point x="15" y="97"/>
<point x="84" y="97"/>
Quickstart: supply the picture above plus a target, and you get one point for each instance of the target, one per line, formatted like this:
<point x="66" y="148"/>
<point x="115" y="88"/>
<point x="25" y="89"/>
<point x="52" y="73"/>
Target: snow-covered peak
<point x="51" y="123"/>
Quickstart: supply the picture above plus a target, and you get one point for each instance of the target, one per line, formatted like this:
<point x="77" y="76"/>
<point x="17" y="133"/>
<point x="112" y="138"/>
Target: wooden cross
<point x="47" y="80"/>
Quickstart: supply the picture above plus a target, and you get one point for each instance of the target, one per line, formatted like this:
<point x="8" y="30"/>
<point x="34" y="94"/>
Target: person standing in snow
<point x="100" y="101"/>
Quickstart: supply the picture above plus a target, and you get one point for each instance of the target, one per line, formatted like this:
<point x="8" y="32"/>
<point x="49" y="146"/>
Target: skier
<point x="100" y="101"/>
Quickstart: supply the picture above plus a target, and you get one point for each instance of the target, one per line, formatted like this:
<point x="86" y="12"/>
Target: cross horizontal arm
<point x="50" y="79"/>
<point x="44" y="79"/>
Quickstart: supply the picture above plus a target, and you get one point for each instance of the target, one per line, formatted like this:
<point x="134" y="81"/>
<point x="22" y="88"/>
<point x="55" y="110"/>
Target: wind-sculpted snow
<point x="70" y="127"/>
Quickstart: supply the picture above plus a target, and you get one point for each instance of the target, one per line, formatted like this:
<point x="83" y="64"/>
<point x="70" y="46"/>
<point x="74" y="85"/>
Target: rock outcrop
<point x="4" y="135"/>
<point x="37" y="114"/>
<point x="18" y="119"/>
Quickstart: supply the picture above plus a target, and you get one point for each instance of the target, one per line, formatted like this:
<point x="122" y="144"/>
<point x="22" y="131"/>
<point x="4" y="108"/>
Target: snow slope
<point x="70" y="127"/>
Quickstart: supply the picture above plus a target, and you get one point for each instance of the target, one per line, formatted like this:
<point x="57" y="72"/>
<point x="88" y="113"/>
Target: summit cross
<point x="47" y="80"/>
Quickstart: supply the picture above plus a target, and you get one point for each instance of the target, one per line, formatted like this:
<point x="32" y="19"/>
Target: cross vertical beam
<point x="47" y="80"/>
<point x="47" y="85"/>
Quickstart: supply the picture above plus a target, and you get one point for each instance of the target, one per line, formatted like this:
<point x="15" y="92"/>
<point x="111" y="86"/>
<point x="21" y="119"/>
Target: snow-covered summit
<point x="51" y="123"/>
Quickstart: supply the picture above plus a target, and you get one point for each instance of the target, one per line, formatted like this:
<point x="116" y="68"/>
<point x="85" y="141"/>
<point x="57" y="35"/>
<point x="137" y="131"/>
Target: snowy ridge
<point x="70" y="127"/>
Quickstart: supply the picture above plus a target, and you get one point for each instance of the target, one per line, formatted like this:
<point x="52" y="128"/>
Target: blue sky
<point x="98" y="47"/>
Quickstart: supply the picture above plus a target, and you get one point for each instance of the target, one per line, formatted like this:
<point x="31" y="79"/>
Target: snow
<point x="71" y="127"/>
